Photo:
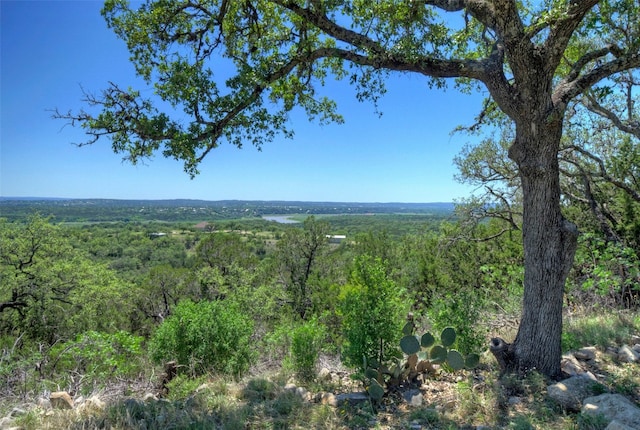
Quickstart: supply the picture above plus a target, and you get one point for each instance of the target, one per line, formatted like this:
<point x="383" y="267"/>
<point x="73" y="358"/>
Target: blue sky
<point x="52" y="49"/>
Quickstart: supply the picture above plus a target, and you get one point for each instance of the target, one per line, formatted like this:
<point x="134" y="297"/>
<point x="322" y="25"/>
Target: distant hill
<point x="102" y="210"/>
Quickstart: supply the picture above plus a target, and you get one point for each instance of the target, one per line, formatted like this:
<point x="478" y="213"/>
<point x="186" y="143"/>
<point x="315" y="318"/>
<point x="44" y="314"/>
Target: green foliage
<point x="601" y="330"/>
<point x="50" y="290"/>
<point x="298" y="255"/>
<point x="306" y="344"/>
<point x="205" y="337"/>
<point x="183" y="386"/>
<point x="222" y="250"/>
<point x="592" y="422"/>
<point x="98" y="356"/>
<point x="463" y="312"/>
<point x="372" y="307"/>
<point x="605" y="273"/>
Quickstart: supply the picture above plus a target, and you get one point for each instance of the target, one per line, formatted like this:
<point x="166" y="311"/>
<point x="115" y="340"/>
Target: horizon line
<point x="39" y="198"/>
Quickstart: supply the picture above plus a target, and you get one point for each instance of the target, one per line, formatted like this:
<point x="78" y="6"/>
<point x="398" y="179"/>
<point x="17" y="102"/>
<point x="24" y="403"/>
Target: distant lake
<point x="282" y="219"/>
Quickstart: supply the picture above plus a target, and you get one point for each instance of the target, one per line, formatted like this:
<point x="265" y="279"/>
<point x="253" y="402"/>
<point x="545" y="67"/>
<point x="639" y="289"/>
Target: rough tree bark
<point x="550" y="243"/>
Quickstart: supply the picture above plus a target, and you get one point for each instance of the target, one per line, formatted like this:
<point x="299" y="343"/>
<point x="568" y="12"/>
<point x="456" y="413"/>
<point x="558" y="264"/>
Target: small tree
<point x="373" y="309"/>
<point x="306" y="344"/>
<point x="205" y="336"/>
<point x="298" y="254"/>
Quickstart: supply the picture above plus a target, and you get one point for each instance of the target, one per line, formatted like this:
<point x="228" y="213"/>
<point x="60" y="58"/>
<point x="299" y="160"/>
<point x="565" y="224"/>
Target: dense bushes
<point x="98" y="356"/>
<point x="215" y="301"/>
<point x="205" y="337"/>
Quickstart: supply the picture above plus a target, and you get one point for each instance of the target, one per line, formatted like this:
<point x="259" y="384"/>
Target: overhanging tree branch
<point x="568" y="90"/>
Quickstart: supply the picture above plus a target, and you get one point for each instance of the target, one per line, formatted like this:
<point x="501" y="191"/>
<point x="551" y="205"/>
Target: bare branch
<point x="567" y="90"/>
<point x="592" y="104"/>
<point x="604" y="174"/>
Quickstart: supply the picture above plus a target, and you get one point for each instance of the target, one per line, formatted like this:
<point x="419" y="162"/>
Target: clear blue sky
<point x="50" y="49"/>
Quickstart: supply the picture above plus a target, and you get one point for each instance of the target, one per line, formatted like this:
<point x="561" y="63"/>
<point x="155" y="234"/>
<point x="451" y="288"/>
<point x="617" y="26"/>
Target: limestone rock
<point x="42" y="402"/>
<point x="94" y="403"/>
<point x="324" y="374"/>
<point x="351" y="399"/>
<point x="61" y="400"/>
<point x="302" y="392"/>
<point x="628" y="355"/>
<point x="617" y="425"/>
<point x="150" y="397"/>
<point x="6" y="422"/>
<point x="327" y="399"/>
<point x="570" y="365"/>
<point x="413" y="397"/>
<point x="614" y="407"/>
<point x="570" y="392"/>
<point x="586" y="354"/>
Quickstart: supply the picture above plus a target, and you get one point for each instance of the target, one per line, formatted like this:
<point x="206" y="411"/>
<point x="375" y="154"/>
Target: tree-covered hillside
<point x="84" y="305"/>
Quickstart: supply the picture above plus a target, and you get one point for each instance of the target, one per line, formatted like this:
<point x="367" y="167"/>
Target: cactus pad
<point x="410" y="345"/>
<point x="427" y="340"/>
<point x="448" y="336"/>
<point x="455" y="360"/>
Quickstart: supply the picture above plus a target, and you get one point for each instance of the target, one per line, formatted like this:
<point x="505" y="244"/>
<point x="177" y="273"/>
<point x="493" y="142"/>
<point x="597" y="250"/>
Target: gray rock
<point x="6" y="422"/>
<point x="614" y="407"/>
<point x="44" y="403"/>
<point x="585" y="354"/>
<point x="413" y="397"/>
<point x="617" y="425"/>
<point x="628" y="355"/>
<point x="570" y="365"/>
<point x="415" y="425"/>
<point x="571" y="392"/>
<point x="515" y="400"/>
<point x="351" y="399"/>
<point x="17" y="412"/>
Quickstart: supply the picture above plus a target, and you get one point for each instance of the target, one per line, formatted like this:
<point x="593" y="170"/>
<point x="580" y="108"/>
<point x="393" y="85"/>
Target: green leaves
<point x="207" y="336"/>
<point x="371" y="305"/>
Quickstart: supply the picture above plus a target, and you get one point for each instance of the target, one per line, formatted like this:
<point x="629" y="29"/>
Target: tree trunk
<point x="550" y="243"/>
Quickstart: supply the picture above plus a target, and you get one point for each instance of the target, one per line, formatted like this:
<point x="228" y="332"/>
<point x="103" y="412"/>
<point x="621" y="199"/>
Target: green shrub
<point x="373" y="310"/>
<point x="182" y="386"/>
<point x="205" y="336"/>
<point x="306" y="344"/>
<point x="98" y="356"/>
<point x="462" y="311"/>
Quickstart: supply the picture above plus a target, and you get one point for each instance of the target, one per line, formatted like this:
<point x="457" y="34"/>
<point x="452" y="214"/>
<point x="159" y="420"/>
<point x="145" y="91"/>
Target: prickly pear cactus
<point x="422" y="353"/>
<point x="411" y="345"/>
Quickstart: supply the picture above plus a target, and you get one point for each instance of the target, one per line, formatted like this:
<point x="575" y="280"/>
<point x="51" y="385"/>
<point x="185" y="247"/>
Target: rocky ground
<point x="587" y="391"/>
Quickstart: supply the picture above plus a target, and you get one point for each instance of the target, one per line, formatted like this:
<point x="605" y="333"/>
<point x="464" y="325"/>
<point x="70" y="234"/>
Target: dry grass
<point x="460" y="401"/>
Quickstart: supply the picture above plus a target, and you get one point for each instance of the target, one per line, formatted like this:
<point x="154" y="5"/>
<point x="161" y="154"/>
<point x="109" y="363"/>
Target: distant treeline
<point x="108" y="210"/>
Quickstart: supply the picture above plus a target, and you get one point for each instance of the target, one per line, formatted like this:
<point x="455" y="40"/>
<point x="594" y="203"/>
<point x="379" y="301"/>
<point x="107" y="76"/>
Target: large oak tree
<point x="534" y="58"/>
